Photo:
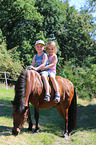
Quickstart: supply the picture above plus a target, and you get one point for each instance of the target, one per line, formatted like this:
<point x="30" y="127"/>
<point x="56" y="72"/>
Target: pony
<point x="29" y="88"/>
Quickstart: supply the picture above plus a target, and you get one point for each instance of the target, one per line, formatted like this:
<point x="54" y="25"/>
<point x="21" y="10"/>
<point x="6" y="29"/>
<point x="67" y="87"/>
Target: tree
<point x="19" y="21"/>
<point x="7" y="63"/>
<point x="23" y="22"/>
<point x="92" y="5"/>
<point x="70" y="29"/>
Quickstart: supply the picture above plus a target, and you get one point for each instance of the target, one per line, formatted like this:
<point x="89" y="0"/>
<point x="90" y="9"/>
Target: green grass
<point x="51" y="124"/>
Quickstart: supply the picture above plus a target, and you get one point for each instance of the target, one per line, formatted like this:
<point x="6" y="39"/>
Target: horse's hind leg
<point x="66" y="133"/>
<point x="64" y="113"/>
<point x="29" y="120"/>
<point x="59" y="109"/>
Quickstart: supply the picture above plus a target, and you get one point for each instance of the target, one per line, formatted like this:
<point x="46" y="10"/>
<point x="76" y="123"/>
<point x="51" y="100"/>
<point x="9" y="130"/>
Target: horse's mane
<point x="20" y="89"/>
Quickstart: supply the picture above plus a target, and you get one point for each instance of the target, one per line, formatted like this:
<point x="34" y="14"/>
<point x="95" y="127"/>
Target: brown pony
<point x="29" y="89"/>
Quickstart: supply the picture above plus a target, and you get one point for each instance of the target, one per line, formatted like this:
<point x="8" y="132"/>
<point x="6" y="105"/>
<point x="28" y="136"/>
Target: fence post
<point x="6" y="81"/>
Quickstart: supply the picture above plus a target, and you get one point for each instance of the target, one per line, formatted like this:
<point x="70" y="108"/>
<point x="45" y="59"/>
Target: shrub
<point x="83" y="78"/>
<point x="7" y="63"/>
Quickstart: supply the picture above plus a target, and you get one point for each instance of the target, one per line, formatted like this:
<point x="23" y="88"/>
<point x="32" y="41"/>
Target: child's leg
<point x="55" y="85"/>
<point x="46" y="86"/>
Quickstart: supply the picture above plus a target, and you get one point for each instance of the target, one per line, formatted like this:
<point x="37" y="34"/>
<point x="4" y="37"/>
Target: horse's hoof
<point x="29" y="129"/>
<point x="66" y="135"/>
<point x="36" y="130"/>
<point x="16" y="132"/>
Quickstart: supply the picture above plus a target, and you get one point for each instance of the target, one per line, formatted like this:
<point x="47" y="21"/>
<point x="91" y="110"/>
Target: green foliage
<point x="83" y="77"/>
<point x="19" y="21"/>
<point x="8" y="64"/>
<point x="91" y="5"/>
<point x="1" y="38"/>
<point x="53" y="15"/>
<point x="6" y="61"/>
<point x="25" y="52"/>
<point x="71" y="30"/>
<point x="74" y="40"/>
<point x="26" y="21"/>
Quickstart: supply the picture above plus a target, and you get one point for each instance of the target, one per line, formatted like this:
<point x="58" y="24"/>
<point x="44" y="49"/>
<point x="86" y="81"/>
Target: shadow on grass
<point x="5" y="108"/>
<point x="5" y="131"/>
<point x="50" y="120"/>
<point x="86" y="117"/>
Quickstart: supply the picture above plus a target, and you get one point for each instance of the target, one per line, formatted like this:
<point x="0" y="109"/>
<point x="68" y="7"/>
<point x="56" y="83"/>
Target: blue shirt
<point x="38" y="60"/>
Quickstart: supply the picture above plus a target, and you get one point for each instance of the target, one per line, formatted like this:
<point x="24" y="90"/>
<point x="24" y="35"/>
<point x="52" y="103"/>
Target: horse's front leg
<point x="36" y="115"/>
<point x="29" y="120"/>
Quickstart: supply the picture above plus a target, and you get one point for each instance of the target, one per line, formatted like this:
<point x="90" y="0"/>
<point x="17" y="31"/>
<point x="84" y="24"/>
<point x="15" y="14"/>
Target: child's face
<point x="39" y="48"/>
<point x="50" y="50"/>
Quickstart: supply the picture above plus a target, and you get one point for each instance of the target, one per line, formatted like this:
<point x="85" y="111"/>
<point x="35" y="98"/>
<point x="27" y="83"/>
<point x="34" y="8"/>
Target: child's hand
<point x="28" y="67"/>
<point x="34" y="68"/>
<point x="42" y="68"/>
<point x="31" y="67"/>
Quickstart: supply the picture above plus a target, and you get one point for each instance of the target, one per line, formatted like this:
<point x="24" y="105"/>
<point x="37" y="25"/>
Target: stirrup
<point x="47" y="98"/>
<point x="57" y="99"/>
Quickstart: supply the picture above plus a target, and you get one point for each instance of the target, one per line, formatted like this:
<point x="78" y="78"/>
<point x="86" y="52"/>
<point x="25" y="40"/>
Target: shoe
<point x="57" y="99"/>
<point x="47" y="98"/>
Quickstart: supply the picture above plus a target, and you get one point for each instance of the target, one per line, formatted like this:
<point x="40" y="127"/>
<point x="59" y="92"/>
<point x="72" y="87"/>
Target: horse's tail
<point x="72" y="114"/>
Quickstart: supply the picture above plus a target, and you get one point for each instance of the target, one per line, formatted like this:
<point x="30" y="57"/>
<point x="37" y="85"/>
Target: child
<point x="52" y="50"/>
<point x="41" y="60"/>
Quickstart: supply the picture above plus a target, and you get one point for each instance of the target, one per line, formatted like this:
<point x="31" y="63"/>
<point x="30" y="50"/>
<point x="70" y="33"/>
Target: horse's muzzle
<point x="15" y="131"/>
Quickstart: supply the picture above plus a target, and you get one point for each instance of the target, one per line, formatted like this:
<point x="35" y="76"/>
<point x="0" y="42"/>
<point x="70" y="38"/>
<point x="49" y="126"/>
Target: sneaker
<point x="47" y="98"/>
<point x="57" y="99"/>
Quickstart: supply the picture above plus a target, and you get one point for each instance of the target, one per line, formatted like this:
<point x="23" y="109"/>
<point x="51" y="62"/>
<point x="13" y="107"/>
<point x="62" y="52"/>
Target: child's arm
<point x="42" y="65"/>
<point x="33" y="63"/>
<point x="43" y="62"/>
<point x="54" y="61"/>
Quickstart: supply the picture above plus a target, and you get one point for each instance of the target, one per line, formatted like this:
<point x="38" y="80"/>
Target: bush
<point x="7" y="63"/>
<point x="83" y="78"/>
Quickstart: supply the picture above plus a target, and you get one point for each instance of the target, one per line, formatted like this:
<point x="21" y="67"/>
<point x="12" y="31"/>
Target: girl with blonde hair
<point x="51" y="50"/>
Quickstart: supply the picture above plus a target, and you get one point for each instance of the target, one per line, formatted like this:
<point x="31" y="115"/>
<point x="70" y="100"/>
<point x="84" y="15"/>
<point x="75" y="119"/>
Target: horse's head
<point x="19" y="118"/>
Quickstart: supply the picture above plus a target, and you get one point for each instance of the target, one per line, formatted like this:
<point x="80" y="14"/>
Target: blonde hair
<point x="53" y="44"/>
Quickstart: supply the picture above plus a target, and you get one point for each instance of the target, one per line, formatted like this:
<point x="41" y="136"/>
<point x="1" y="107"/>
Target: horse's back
<point x="64" y="83"/>
<point x="60" y="80"/>
<point x="37" y="87"/>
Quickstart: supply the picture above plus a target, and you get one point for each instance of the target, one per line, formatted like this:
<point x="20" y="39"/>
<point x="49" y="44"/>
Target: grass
<point x="51" y="124"/>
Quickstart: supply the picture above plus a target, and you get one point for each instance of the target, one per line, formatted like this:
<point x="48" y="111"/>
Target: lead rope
<point x="5" y="128"/>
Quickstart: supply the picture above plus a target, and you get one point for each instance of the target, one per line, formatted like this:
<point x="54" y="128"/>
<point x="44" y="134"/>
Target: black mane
<point x="20" y="89"/>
